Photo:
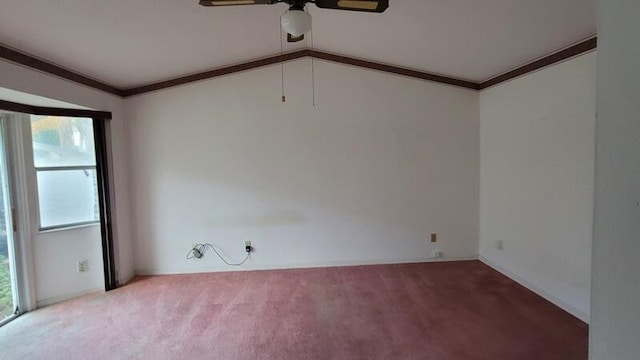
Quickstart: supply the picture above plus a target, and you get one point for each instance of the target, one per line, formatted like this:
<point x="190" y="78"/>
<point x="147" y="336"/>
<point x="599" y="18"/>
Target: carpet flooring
<point x="455" y="310"/>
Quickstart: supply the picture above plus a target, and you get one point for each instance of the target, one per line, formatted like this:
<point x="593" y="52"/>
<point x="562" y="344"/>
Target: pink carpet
<point x="461" y="310"/>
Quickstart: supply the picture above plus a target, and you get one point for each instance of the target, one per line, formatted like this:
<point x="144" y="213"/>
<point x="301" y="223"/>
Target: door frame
<point x="14" y="237"/>
<point x="102" y="146"/>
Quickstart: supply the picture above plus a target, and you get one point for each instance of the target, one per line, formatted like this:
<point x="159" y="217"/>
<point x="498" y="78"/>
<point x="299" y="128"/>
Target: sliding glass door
<point x="8" y="282"/>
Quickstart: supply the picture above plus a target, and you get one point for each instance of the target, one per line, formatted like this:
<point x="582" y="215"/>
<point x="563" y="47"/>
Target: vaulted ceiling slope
<point x="128" y="43"/>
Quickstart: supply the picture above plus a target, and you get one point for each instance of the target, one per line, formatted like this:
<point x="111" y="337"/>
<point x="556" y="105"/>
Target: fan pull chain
<point x="282" y="98"/>
<point x="313" y="72"/>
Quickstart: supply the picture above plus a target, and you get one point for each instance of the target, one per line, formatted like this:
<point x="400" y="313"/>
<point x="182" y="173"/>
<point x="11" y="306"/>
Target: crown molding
<point x="276" y="59"/>
<point x="21" y="58"/>
<point x="562" y="55"/>
<point x="394" y="69"/>
<point x="47" y="67"/>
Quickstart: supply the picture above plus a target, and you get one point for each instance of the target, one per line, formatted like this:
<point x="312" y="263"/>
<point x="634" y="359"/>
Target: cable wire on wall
<point x="198" y="251"/>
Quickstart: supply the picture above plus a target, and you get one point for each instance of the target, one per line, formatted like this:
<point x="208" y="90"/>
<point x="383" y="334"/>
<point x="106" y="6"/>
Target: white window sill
<point x="66" y="228"/>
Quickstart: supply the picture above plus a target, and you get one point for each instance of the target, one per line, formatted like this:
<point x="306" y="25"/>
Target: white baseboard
<point x="544" y="294"/>
<point x="248" y="267"/>
<point x="183" y="270"/>
<point x="56" y="299"/>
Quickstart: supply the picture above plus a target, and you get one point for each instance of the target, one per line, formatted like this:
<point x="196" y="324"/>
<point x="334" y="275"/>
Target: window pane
<point x="67" y="197"/>
<point x="62" y="141"/>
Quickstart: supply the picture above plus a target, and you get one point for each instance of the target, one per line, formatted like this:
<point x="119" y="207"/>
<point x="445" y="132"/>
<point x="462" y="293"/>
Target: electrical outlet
<point x="499" y="244"/>
<point x="434" y="237"/>
<point x="436" y="254"/>
<point x="83" y="265"/>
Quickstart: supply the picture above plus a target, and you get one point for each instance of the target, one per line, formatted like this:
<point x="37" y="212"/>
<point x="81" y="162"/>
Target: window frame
<point x="64" y="226"/>
<point x="39" y="169"/>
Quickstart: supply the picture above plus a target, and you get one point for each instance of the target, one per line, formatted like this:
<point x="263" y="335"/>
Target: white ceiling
<point x="128" y="43"/>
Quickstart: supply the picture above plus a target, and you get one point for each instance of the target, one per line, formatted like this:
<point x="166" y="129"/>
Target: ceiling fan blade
<point x="292" y="39"/>
<point x="236" y="2"/>
<point x="354" y="5"/>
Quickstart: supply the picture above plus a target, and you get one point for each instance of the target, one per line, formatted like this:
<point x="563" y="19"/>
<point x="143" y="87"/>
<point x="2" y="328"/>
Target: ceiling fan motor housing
<point x="296" y="4"/>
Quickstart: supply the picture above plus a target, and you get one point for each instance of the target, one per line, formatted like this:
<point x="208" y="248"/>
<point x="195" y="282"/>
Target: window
<point x="65" y="164"/>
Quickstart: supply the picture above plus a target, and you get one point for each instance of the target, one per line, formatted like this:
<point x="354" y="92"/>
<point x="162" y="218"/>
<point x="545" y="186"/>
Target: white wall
<point x="56" y="275"/>
<point x="536" y="180"/>
<point x="615" y="319"/>
<point x="55" y="255"/>
<point x="363" y="177"/>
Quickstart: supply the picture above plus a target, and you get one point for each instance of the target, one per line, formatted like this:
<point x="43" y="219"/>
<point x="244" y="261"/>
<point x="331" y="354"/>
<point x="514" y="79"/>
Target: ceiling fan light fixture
<point x="296" y="22"/>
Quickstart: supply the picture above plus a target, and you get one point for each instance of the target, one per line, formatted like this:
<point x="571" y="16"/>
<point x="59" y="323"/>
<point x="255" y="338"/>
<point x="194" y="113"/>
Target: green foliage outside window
<point x="6" y="296"/>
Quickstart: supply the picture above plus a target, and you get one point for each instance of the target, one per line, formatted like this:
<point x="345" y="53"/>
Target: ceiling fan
<point x="296" y="22"/>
